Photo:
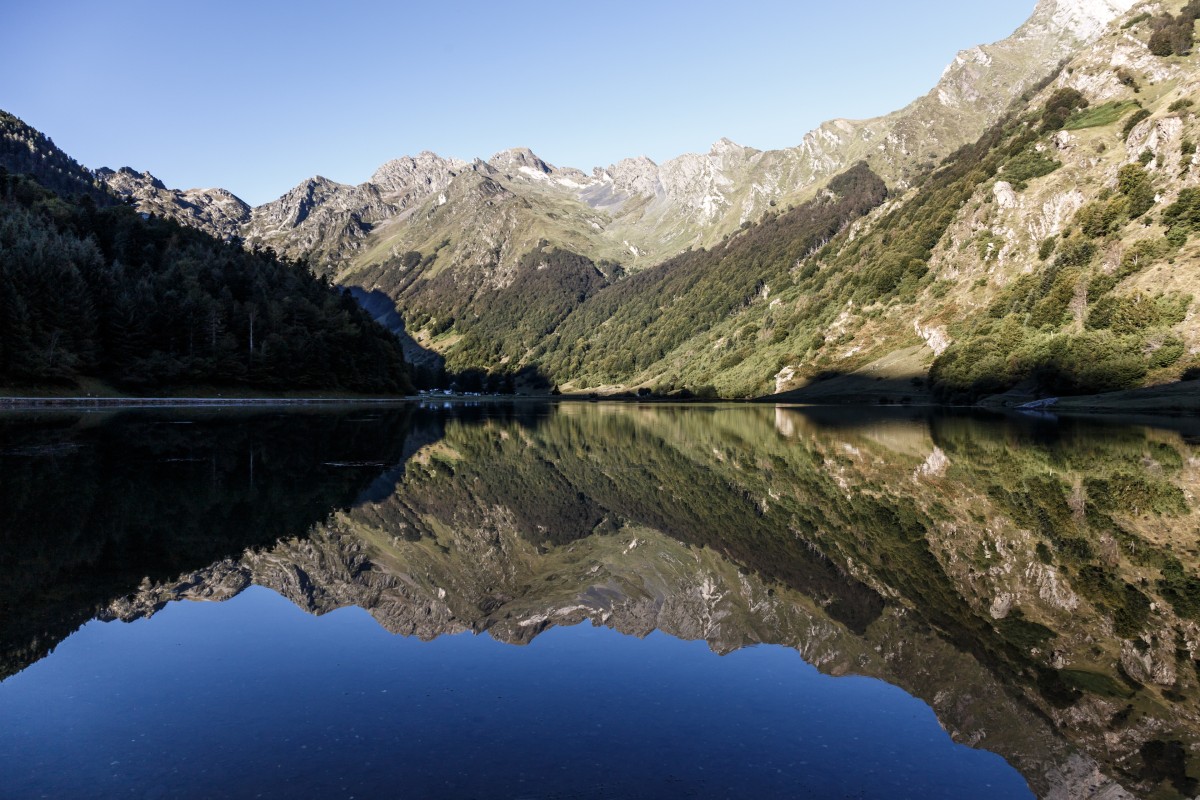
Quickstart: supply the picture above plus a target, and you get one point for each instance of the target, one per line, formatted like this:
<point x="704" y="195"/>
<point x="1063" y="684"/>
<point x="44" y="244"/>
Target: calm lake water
<point x="597" y="600"/>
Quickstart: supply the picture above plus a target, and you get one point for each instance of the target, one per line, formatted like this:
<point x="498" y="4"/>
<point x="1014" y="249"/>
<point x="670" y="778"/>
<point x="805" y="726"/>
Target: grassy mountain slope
<point x="625" y="330"/>
<point x="1053" y="256"/>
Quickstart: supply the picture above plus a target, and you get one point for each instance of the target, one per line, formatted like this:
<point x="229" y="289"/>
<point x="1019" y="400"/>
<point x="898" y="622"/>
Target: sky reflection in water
<point x="254" y="697"/>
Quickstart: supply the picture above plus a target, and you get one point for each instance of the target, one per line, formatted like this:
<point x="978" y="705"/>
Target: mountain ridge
<point x="653" y="211"/>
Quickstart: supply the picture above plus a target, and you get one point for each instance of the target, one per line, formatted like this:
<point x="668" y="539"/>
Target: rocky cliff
<point x="215" y="211"/>
<point x="640" y="212"/>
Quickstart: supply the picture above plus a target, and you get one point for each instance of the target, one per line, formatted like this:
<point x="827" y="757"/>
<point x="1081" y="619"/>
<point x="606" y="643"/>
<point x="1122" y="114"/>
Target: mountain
<point x="1031" y="211"/>
<point x="485" y="216"/>
<point x="25" y="150"/>
<point x="215" y="211"/>
<point x="1052" y="256"/>
<point x="93" y="293"/>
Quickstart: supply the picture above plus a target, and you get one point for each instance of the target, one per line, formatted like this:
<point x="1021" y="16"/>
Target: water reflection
<point x="1033" y="580"/>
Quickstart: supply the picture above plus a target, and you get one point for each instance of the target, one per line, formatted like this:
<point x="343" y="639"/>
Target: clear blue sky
<point x="257" y="96"/>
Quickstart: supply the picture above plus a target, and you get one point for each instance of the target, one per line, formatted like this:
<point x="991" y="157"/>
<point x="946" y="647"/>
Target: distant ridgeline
<point x="1053" y="255"/>
<point x="89" y="288"/>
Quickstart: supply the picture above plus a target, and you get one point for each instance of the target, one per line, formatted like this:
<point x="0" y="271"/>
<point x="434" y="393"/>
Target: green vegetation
<point x="1174" y="35"/>
<point x="1182" y="217"/>
<point x="147" y="304"/>
<point x="1028" y="165"/>
<point x="25" y="150"/>
<point x="1136" y="19"/>
<point x="1132" y="122"/>
<point x="1060" y="107"/>
<point x="638" y="321"/>
<point x="1100" y="115"/>
<point x="1030" y="336"/>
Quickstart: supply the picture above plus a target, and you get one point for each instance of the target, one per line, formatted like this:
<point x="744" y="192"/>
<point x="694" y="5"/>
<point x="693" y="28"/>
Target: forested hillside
<point x="29" y="151"/>
<point x="621" y="332"/>
<point x="1054" y="256"/>
<point x="146" y="304"/>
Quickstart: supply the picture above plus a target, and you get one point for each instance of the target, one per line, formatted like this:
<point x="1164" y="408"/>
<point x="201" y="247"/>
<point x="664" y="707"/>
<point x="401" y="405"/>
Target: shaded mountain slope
<point x="92" y="290"/>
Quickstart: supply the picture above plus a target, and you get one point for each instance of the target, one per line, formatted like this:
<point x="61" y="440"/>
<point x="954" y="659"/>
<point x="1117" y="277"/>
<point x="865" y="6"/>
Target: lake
<point x="577" y="600"/>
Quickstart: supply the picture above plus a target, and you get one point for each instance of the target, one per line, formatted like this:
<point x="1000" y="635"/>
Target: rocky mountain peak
<point x="725" y="145"/>
<point x="131" y="176"/>
<point x="404" y="174"/>
<point x="520" y="159"/>
<point x="638" y="175"/>
<point x="1082" y="19"/>
<point x="215" y="211"/>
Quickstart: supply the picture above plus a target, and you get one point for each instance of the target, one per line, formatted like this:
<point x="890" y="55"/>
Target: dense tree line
<point x="29" y="151"/>
<point x="146" y="304"/>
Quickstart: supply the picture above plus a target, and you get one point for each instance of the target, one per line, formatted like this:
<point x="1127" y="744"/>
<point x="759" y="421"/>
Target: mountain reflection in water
<point x="1034" y="581"/>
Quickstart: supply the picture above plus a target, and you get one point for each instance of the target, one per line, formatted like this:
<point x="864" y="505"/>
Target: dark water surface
<point x="596" y="601"/>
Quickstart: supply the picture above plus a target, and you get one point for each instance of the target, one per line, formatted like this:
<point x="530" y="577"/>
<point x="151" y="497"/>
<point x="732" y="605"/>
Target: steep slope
<point x="627" y="329"/>
<point x="639" y="212"/>
<point x="1065" y="265"/>
<point x="148" y="305"/>
<point x="25" y="150"/>
<point x="217" y="212"/>
<point x="1053" y="256"/>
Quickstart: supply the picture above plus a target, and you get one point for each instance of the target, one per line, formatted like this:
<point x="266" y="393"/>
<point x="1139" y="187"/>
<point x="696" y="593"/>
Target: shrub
<point x="1046" y="248"/>
<point x="1135" y="20"/>
<point x="1027" y="165"/>
<point x="1059" y="107"/>
<point x="1099" y="219"/>
<point x="1075" y="251"/>
<point x="1183" y="216"/>
<point x="1134" y="184"/>
<point x="1167" y="353"/>
<point x="1132" y="122"/>
<point x="1123" y="314"/>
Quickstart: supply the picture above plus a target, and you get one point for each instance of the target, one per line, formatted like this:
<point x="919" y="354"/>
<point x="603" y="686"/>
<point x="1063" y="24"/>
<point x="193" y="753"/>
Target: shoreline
<point x="24" y="403"/>
<point x="1180" y="401"/>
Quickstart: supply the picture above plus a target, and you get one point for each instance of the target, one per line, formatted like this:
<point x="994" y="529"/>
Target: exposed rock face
<point x="635" y="211"/>
<point x="214" y="211"/>
<point x="320" y="220"/>
<point x="327" y="222"/>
